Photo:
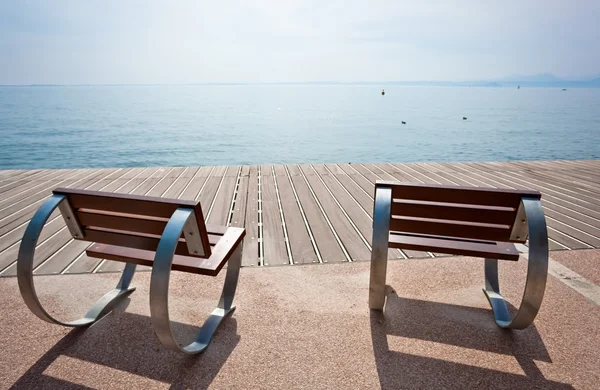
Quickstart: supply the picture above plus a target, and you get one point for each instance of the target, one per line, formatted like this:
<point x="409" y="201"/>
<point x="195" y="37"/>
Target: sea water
<point x="127" y="126"/>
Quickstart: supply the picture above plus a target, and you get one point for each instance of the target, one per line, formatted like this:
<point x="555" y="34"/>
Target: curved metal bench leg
<point x="379" y="250"/>
<point x="159" y="289"/>
<point x="25" y="273"/>
<point x="537" y="271"/>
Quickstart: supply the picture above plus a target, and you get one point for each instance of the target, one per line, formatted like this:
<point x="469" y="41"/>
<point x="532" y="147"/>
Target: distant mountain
<point x="536" y="78"/>
<point x="548" y="80"/>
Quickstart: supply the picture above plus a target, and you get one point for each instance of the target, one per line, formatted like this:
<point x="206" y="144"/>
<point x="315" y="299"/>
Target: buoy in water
<point x="403" y="122"/>
<point x="464" y="118"/>
<point x="382" y="92"/>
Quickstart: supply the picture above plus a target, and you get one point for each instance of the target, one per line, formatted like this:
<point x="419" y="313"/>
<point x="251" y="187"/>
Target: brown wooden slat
<point x="206" y="266"/>
<point x="275" y="250"/>
<point x="250" y="255"/>
<point x="222" y="203"/>
<point x="326" y="243"/>
<point x="124" y="203"/>
<point x="350" y="238"/>
<point x="238" y="215"/>
<point x="207" y="195"/>
<point x="300" y="243"/>
<point x="137" y="240"/>
<point x="456" y="212"/>
<point x="496" y="250"/>
<point x="441" y="227"/>
<point x="453" y="194"/>
<point x="119" y="221"/>
<point x="182" y="181"/>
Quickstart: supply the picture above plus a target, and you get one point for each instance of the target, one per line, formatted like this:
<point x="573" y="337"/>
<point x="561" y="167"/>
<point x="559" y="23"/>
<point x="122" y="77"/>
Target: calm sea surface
<point x="69" y="127"/>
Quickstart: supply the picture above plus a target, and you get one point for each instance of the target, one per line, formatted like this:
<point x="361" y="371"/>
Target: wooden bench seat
<point x="454" y="246"/>
<point x="468" y="221"/>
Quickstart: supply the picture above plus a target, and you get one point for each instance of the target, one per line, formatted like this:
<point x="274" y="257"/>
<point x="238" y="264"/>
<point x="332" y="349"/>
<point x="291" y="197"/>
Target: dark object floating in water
<point x="564" y="89"/>
<point x="464" y="118"/>
<point x="518" y="87"/>
<point x="403" y="122"/>
<point x="382" y="92"/>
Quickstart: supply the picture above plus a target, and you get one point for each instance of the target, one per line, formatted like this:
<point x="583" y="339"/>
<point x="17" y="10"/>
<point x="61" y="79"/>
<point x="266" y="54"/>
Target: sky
<point x="196" y="41"/>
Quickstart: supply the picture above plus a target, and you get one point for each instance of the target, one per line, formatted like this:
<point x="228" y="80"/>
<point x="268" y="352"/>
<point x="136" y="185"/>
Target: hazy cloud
<point x="72" y="42"/>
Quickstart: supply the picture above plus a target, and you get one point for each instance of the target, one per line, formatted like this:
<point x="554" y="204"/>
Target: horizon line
<point x="483" y="83"/>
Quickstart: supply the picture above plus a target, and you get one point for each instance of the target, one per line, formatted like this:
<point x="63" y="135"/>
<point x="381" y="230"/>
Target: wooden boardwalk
<point x="294" y="214"/>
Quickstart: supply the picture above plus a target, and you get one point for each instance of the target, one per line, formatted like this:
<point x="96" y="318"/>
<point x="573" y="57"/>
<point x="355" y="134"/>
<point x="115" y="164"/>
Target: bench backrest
<point x="131" y="221"/>
<point x="456" y="211"/>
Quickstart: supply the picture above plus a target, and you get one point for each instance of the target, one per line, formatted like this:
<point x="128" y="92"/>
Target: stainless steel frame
<point x="159" y="288"/>
<point x="159" y="284"/>
<point x="379" y="251"/>
<point x="25" y="273"/>
<point x="537" y="271"/>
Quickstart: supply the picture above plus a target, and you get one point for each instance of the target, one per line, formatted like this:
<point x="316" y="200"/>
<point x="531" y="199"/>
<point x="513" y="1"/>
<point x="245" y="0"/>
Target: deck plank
<point x="219" y="214"/>
<point x="350" y="238"/>
<point x="238" y="215"/>
<point x="301" y="245"/>
<point x="325" y="241"/>
<point x="250" y="255"/>
<point x="273" y="239"/>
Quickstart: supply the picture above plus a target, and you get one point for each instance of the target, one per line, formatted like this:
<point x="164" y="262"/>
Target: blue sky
<point x="186" y="41"/>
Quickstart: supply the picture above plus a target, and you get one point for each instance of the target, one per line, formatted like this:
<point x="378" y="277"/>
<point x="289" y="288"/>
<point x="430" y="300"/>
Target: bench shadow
<point x="458" y="326"/>
<point x="126" y="342"/>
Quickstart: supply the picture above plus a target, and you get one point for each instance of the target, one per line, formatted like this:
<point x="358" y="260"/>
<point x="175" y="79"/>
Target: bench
<point x="165" y="234"/>
<point x="469" y="221"/>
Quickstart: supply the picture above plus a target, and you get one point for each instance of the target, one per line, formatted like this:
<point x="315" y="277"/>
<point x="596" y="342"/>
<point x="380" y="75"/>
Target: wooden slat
<point x="180" y="183"/>
<point x="238" y="216"/>
<point x="250" y="253"/>
<point x="222" y="203"/>
<point x="165" y="182"/>
<point x="62" y="259"/>
<point x="193" y="189"/>
<point x="497" y="250"/>
<point x="325" y="240"/>
<point x="274" y="245"/>
<point x="451" y="194"/>
<point x="137" y="240"/>
<point x="207" y="195"/>
<point x="124" y="203"/>
<point x="9" y="256"/>
<point x="129" y="222"/>
<point x="300" y="243"/>
<point x="441" y="227"/>
<point x="454" y="211"/>
<point x="349" y="237"/>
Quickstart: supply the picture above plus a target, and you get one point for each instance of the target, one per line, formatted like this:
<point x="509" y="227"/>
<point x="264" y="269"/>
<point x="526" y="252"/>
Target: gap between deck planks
<point x="308" y="213"/>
